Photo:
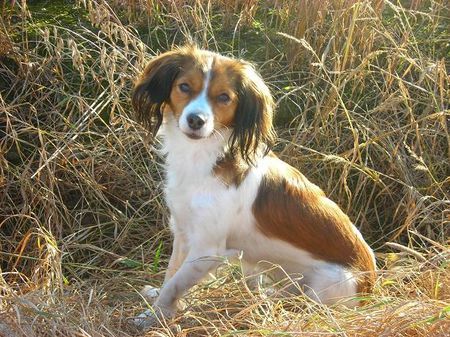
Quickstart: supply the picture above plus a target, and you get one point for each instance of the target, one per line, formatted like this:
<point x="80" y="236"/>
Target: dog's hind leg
<point x="330" y="283"/>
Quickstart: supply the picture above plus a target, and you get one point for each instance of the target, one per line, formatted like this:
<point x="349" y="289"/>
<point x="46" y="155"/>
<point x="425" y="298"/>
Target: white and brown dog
<point x="227" y="193"/>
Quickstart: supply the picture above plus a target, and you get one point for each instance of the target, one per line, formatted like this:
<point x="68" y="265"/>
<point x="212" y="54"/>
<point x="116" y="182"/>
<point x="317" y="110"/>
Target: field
<point x="362" y="92"/>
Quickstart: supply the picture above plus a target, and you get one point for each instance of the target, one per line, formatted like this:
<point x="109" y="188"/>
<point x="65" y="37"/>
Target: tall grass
<point x="362" y="93"/>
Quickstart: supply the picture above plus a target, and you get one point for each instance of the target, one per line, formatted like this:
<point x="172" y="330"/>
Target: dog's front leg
<point x="179" y="253"/>
<point x="195" y="267"/>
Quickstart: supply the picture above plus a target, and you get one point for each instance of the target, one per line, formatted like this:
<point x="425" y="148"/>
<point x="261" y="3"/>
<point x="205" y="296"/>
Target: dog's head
<point x="206" y="92"/>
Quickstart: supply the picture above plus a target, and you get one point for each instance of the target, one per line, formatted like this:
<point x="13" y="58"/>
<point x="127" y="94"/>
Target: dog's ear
<point x="253" y="118"/>
<point x="153" y="88"/>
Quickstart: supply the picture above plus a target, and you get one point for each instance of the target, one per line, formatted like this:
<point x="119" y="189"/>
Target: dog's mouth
<point x="194" y="136"/>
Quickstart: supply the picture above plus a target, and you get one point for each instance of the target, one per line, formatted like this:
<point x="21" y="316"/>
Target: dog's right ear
<point x="153" y="88"/>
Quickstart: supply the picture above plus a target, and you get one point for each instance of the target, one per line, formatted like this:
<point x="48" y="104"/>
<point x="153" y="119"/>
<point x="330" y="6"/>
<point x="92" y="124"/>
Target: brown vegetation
<point x="362" y="109"/>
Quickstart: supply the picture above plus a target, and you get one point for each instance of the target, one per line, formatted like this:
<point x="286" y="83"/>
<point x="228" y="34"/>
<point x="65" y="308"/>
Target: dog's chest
<point x="193" y="196"/>
<point x="197" y="199"/>
<point x="201" y="207"/>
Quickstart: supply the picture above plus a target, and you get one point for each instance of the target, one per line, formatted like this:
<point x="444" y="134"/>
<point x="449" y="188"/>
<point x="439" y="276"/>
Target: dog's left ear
<point x="253" y="118"/>
<point x="153" y="88"/>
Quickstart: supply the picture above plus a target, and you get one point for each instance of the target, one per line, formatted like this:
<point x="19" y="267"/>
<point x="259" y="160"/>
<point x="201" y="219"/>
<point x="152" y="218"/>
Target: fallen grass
<point x="362" y="92"/>
<point x="411" y="299"/>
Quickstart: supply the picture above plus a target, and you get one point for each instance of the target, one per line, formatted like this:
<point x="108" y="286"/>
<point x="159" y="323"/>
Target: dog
<point x="229" y="194"/>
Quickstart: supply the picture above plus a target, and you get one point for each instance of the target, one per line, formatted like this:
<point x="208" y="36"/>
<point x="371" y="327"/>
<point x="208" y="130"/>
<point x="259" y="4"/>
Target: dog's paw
<point x="149" y="292"/>
<point x="151" y="318"/>
<point x="146" y="320"/>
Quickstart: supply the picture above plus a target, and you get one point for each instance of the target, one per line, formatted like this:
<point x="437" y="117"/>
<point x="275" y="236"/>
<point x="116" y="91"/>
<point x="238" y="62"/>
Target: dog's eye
<point x="223" y="98"/>
<point x="184" y="87"/>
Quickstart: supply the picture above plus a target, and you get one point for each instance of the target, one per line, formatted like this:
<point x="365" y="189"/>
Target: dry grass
<point x="362" y="91"/>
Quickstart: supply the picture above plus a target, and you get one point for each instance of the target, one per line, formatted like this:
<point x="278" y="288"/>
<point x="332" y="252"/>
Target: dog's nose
<point x="196" y="121"/>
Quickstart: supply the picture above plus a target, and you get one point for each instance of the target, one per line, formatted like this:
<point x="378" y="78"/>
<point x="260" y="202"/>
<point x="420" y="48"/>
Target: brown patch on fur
<point x="224" y="79"/>
<point x="291" y="208"/>
<point x="231" y="170"/>
<point x="195" y="78"/>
